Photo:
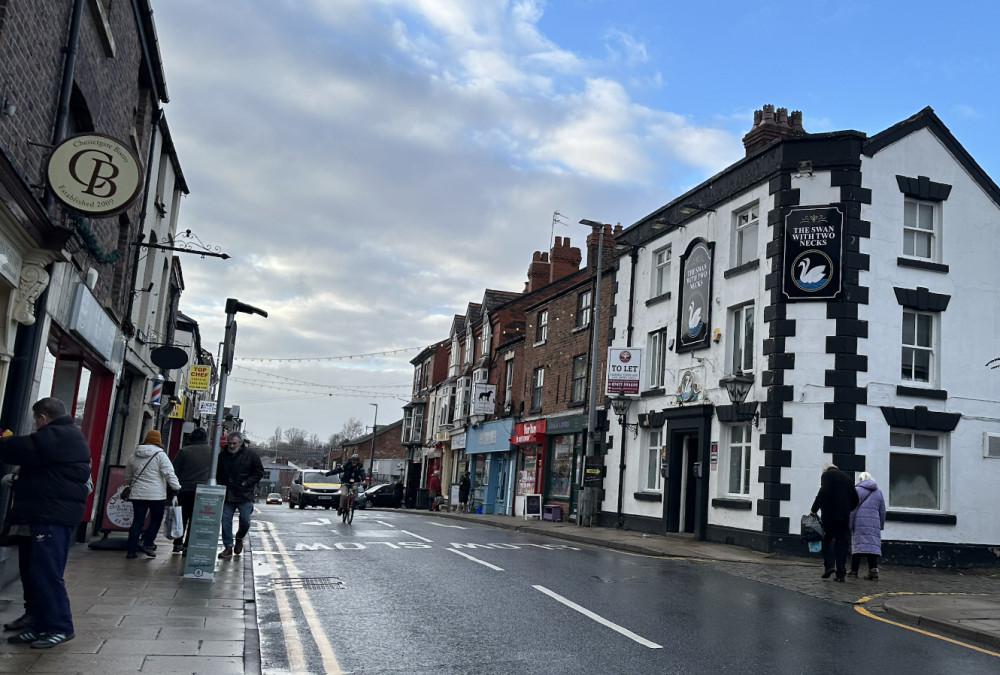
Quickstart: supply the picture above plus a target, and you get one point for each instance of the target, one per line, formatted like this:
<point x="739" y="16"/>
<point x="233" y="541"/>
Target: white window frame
<point x="656" y="344"/>
<point x="470" y="341"/>
<point x="486" y="339"/>
<point x="584" y="311"/>
<point x="649" y="479"/>
<point x="913" y="229"/>
<point x="537" y="385"/>
<point x="739" y="449"/>
<point x="575" y="380"/>
<point x="508" y="385"/>
<point x="746" y="226"/>
<point x="541" y="327"/>
<point x="741" y="355"/>
<point x="940" y="452"/>
<point x="908" y="350"/>
<point x="660" y="272"/>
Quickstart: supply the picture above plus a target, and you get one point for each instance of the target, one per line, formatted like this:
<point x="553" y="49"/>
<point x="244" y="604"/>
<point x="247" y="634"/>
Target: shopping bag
<point x="815" y="546"/>
<point x="175" y="521"/>
<point x="811" y="529"/>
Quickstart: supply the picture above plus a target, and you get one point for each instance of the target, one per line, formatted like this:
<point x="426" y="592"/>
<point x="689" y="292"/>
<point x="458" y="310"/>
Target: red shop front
<point x="529" y="438"/>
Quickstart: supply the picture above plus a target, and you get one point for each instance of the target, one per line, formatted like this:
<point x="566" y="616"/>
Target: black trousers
<point x="856" y="561"/>
<point x="185" y="499"/>
<point x="836" y="544"/>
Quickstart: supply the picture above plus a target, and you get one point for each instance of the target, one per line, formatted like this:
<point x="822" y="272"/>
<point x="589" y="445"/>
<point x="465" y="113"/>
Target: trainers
<point x="853" y="574"/>
<point x="49" y="640"/>
<point x="21" y="623"/>
<point x="238" y="546"/>
<point x="227" y="552"/>
<point x="872" y="575"/>
<point x="828" y="573"/>
<point x="148" y="551"/>
<point x="131" y="554"/>
<point x="178" y="548"/>
<point x="27" y="637"/>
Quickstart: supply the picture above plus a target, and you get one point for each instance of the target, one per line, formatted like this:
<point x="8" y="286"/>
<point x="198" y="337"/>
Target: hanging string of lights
<point x="347" y="357"/>
<point x="263" y="384"/>
<point x="353" y="387"/>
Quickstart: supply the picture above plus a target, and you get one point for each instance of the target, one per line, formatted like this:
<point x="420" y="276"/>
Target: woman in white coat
<point x="149" y="472"/>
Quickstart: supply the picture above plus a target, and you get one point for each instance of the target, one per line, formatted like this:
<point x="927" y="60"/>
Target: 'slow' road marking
<point x="599" y="619"/>
<point x="481" y="562"/>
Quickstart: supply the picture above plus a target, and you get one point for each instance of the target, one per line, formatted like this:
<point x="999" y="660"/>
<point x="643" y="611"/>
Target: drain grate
<point x="310" y="583"/>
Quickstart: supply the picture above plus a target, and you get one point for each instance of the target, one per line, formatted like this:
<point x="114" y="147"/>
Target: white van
<point x="312" y="487"/>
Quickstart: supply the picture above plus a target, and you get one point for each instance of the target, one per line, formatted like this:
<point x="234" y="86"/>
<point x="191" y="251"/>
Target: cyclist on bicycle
<point x="351" y="475"/>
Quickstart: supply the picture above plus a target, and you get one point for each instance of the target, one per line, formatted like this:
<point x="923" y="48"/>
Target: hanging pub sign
<point x="94" y="174"/>
<point x="694" y="310"/>
<point x="814" y="244"/>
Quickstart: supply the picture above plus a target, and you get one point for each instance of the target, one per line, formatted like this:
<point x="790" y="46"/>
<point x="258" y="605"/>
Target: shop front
<point x="490" y="463"/>
<point x="565" y="447"/>
<point x="529" y="439"/>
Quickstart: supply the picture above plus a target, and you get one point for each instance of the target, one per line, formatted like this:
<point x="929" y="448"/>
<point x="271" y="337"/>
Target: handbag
<point x="811" y="529"/>
<point x="175" y="521"/>
<point x="126" y="493"/>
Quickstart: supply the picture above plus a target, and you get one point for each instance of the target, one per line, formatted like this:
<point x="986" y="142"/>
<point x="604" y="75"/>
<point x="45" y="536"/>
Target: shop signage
<point x="94" y="174"/>
<point x="593" y="473"/>
<point x="814" y="243"/>
<point x="532" y="506"/>
<point x="177" y="412"/>
<point x="206" y="407"/>
<point x="206" y="519"/>
<point x="694" y="311"/>
<point x="90" y="322"/>
<point x="198" y="377"/>
<point x="458" y="441"/>
<point x="483" y="398"/>
<point x="10" y="261"/>
<point x="565" y="425"/>
<point x="624" y="371"/>
<point x="528" y="432"/>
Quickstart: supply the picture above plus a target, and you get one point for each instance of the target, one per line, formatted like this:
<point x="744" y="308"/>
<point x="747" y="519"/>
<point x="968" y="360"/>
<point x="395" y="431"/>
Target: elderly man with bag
<point x="51" y="491"/>
<point x="835" y="501"/>
<point x="193" y="466"/>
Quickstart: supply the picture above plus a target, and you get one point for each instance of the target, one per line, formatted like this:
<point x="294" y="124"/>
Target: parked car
<point x="273" y="498"/>
<point x="376" y="495"/>
<point x="312" y="487"/>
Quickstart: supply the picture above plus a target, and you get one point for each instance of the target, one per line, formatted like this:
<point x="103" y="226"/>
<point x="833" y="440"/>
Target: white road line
<point x="457" y="527"/>
<point x="292" y="647"/>
<point x="481" y="562"/>
<point x="316" y="629"/>
<point x="382" y="522"/>
<point x="417" y="536"/>
<point x="599" y="619"/>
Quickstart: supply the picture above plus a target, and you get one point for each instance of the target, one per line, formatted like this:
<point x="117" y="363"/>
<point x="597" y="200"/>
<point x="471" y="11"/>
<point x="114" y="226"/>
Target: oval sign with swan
<point x="694" y="308"/>
<point x="814" y="244"/>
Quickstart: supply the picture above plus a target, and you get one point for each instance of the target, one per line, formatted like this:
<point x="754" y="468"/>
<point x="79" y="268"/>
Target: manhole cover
<point x="310" y="583"/>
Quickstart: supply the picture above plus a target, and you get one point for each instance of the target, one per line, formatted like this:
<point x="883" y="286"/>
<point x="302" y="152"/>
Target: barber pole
<point x="154" y="398"/>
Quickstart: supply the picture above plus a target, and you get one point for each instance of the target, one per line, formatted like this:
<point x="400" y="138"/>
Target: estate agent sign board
<point x="814" y="244"/>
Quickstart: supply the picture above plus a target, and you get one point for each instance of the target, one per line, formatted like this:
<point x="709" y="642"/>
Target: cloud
<point x="374" y="165"/>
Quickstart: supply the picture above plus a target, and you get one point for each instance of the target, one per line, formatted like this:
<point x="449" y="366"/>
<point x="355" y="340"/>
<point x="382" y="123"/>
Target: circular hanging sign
<point x="94" y="174"/>
<point x="168" y="357"/>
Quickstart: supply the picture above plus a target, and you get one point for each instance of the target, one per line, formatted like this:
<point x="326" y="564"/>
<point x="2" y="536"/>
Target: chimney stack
<point x="565" y="259"/>
<point x="770" y="124"/>
<point x="538" y="272"/>
<point x="609" y="247"/>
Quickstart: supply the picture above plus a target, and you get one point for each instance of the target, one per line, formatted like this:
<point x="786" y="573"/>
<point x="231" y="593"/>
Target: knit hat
<point x="153" y="438"/>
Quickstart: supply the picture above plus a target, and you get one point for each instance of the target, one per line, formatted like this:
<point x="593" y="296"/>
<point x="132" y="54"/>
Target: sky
<point x="373" y="166"/>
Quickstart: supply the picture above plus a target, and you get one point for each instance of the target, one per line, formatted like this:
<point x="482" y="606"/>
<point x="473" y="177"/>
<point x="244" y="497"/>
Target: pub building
<point x="824" y="299"/>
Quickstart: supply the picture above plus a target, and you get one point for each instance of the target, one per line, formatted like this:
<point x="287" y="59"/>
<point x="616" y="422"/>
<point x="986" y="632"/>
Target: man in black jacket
<point x="836" y="499"/>
<point x="51" y="491"/>
<point x="193" y="466"/>
<point x="239" y="469"/>
<point x="352" y="475"/>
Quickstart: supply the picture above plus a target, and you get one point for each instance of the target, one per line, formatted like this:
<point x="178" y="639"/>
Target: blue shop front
<point x="487" y="448"/>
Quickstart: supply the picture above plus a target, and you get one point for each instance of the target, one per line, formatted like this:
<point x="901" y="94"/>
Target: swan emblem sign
<point x="813" y="252"/>
<point x="693" y="310"/>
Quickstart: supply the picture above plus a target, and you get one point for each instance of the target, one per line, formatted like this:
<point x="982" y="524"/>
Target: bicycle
<point x="348" y="513"/>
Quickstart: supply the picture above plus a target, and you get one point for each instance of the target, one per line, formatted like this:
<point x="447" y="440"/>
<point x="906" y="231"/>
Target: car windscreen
<point x="321" y="478"/>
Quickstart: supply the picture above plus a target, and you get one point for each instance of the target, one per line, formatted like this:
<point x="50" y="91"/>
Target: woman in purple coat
<point x="867" y="523"/>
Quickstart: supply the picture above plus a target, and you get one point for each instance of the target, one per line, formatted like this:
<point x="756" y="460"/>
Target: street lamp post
<point x="620" y="404"/>
<point x="371" y="466"/>
<point x="587" y="496"/>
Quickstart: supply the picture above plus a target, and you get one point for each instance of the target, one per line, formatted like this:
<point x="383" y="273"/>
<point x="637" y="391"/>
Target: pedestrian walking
<point x="834" y="502"/>
<point x="20" y="536"/>
<point x="193" y="466"/>
<point x="433" y="488"/>
<point x="397" y="494"/>
<point x="239" y="469"/>
<point x="464" y="486"/>
<point x="152" y="477"/>
<point x="54" y="463"/>
<point x="867" y="523"/>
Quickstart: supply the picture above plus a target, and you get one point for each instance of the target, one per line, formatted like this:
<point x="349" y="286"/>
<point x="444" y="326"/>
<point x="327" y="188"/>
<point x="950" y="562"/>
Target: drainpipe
<point x="634" y="256"/>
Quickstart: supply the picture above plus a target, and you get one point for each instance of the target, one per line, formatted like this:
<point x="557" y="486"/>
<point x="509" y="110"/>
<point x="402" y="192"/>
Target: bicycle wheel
<point x="350" y="513"/>
<point x="346" y="511"/>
